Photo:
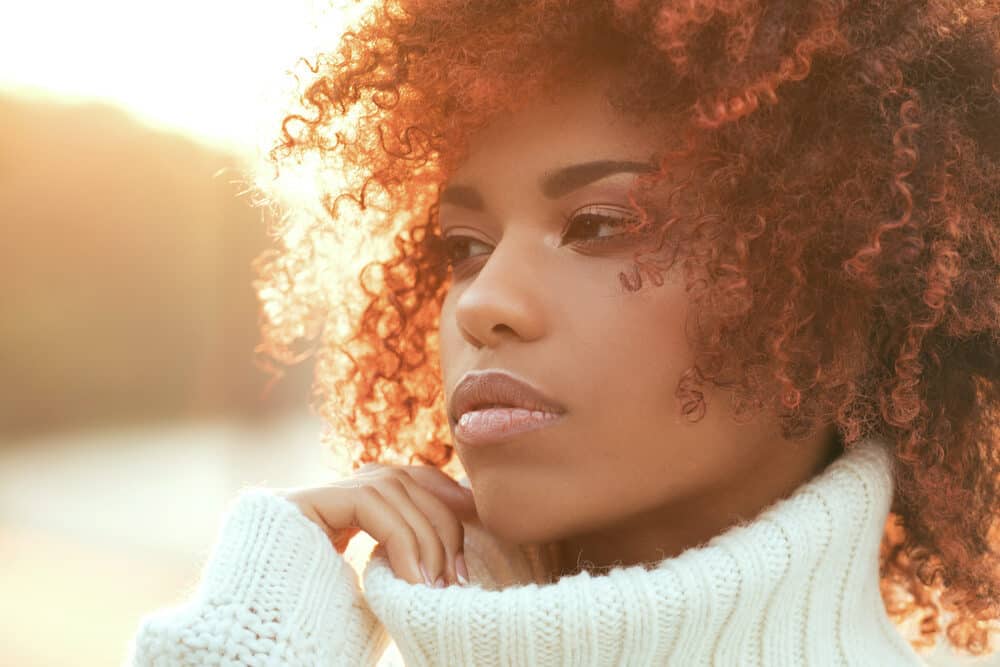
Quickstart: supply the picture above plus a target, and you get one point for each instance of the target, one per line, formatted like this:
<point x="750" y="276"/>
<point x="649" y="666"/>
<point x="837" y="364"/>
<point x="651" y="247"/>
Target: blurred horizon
<point x="133" y="410"/>
<point x="132" y="258"/>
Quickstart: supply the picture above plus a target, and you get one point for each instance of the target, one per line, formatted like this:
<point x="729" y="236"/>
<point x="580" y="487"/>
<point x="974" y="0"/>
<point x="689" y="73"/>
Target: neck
<point x="669" y="529"/>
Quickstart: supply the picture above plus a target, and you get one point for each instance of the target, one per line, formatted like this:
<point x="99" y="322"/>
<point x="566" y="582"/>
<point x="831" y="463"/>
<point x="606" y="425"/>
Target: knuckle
<point x="395" y="484"/>
<point x="369" y="493"/>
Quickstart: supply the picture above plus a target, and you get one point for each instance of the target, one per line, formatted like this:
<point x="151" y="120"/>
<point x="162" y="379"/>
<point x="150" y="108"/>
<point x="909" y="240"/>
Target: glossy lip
<point x="490" y="426"/>
<point x="494" y="387"/>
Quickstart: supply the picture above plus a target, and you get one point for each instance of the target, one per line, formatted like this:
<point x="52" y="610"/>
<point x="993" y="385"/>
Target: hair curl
<point x="839" y="220"/>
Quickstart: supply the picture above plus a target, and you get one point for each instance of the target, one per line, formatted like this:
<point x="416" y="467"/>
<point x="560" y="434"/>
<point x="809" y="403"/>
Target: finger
<point x="449" y="528"/>
<point x="380" y="519"/>
<point x="457" y="497"/>
<point x="302" y="498"/>
<point x="432" y="551"/>
<point x="344" y="508"/>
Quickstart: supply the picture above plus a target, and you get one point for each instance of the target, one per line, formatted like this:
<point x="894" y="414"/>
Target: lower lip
<point x="492" y="425"/>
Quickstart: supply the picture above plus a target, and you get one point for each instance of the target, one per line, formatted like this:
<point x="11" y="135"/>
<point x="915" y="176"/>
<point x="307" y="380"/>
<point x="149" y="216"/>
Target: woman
<point x="704" y="296"/>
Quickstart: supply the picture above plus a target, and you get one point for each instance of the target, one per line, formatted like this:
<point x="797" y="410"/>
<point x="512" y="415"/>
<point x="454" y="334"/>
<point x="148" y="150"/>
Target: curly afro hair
<point x="839" y="224"/>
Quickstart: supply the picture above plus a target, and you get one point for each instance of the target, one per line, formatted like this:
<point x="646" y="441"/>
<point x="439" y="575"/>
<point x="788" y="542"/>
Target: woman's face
<point x="533" y="300"/>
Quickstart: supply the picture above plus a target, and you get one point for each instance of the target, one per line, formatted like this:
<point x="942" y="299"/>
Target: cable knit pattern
<point x="796" y="585"/>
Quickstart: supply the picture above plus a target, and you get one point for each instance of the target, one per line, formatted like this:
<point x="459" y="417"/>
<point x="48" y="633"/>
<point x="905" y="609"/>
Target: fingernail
<point x="423" y="571"/>
<point x="439" y="583"/>
<point x="460" y="570"/>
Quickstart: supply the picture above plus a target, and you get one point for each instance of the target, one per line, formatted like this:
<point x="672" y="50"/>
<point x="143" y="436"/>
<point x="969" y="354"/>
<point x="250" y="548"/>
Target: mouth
<point x="491" y="425"/>
<point x="490" y="406"/>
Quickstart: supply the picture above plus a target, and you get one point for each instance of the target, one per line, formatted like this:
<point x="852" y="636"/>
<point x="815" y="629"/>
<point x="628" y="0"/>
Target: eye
<point x="587" y="226"/>
<point x="457" y="248"/>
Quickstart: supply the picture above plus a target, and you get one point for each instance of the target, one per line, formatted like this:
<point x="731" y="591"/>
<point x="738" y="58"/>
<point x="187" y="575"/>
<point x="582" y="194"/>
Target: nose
<point x="505" y="299"/>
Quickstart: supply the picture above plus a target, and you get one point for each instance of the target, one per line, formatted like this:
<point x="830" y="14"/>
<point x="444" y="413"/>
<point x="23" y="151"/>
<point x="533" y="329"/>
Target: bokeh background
<point x="133" y="407"/>
<point x="132" y="404"/>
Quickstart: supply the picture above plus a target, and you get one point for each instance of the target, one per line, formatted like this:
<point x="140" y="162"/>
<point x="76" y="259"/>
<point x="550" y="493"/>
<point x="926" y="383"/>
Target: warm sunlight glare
<point x="211" y="69"/>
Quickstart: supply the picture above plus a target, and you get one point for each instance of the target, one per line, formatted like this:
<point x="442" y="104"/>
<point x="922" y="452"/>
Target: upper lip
<point x="480" y="388"/>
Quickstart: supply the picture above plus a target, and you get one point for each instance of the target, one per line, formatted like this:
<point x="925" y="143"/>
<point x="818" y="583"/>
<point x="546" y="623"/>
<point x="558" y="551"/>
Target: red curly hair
<point x="838" y="218"/>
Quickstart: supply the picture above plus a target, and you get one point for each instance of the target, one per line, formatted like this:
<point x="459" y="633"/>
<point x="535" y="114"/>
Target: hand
<point x="414" y="512"/>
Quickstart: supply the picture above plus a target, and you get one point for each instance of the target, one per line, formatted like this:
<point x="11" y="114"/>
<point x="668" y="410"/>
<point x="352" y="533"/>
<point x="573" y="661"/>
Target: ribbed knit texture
<point x="796" y="585"/>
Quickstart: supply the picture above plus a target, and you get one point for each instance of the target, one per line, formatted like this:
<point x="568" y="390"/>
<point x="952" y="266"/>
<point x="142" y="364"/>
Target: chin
<point x="516" y="521"/>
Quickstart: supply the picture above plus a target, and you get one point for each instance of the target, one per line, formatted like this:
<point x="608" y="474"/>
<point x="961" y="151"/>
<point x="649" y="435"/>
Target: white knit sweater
<point x="796" y="585"/>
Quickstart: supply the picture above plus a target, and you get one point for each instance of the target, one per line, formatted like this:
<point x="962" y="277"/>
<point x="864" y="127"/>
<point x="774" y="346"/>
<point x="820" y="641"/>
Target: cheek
<point x="635" y="351"/>
<point x="632" y="425"/>
<point x="638" y="451"/>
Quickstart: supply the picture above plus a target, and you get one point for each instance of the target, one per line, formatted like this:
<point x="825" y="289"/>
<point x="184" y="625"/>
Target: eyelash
<point x="587" y="212"/>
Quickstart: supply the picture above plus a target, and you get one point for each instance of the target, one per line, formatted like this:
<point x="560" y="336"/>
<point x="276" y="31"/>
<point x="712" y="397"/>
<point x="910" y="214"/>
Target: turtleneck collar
<point x="797" y="584"/>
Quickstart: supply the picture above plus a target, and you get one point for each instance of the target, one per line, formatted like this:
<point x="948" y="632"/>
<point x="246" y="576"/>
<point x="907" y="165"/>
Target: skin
<point x="622" y="478"/>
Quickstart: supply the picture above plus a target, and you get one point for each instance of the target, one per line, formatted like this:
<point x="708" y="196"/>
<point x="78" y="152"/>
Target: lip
<point x="495" y="387"/>
<point x="494" y="425"/>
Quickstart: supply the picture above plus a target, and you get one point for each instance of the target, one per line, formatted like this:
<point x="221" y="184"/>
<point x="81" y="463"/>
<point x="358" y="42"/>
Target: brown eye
<point x="457" y="248"/>
<point x="592" y="224"/>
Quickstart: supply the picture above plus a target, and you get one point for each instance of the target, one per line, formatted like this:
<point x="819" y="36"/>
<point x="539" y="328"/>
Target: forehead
<point x="576" y="125"/>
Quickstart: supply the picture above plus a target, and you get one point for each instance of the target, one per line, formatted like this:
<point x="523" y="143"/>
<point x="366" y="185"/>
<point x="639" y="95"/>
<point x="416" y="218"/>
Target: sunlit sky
<point x="213" y="69"/>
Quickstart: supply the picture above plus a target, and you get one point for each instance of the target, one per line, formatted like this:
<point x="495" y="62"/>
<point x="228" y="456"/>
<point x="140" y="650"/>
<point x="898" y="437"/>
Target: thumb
<point x="458" y="498"/>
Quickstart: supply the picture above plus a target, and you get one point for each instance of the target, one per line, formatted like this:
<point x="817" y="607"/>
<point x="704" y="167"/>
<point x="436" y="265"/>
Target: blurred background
<point x="131" y="409"/>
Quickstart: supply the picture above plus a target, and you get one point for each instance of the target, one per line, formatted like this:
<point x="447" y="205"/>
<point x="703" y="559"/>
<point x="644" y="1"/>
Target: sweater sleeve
<point x="273" y="591"/>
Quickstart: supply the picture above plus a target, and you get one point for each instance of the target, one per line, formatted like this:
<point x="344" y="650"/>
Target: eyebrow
<point x="553" y="185"/>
